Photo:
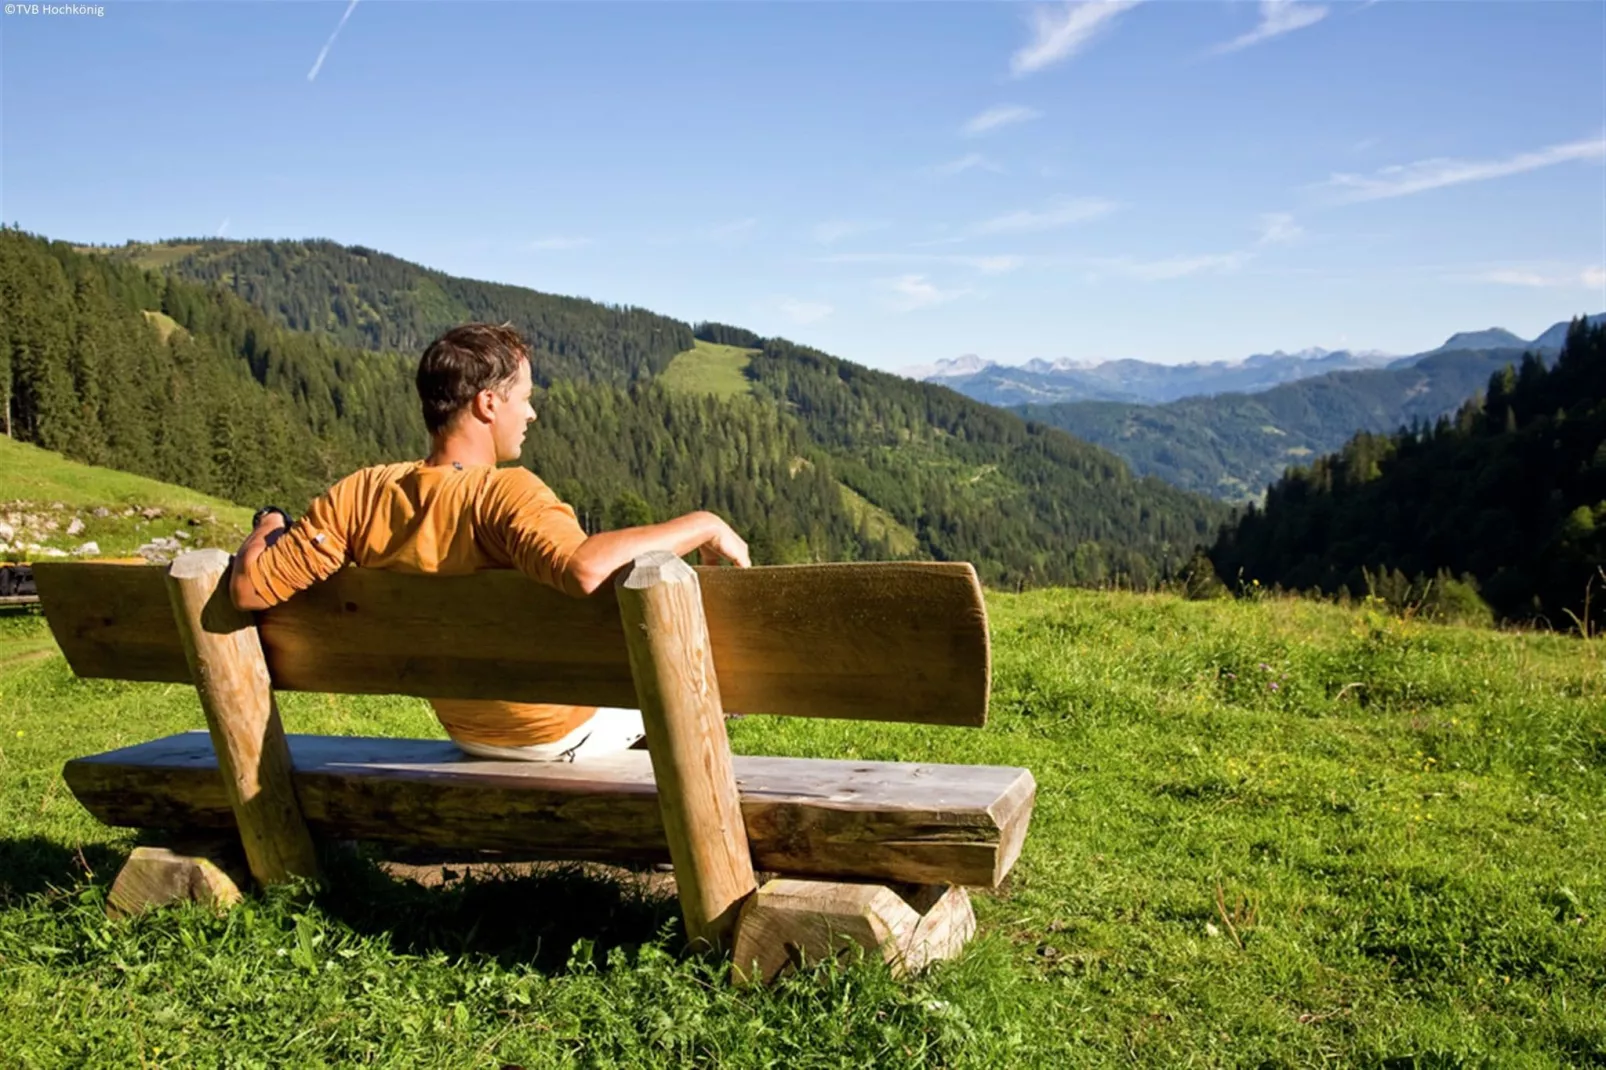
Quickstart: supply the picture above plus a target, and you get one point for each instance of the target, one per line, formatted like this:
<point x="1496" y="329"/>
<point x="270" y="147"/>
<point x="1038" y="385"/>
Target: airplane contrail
<point x="317" y="65"/>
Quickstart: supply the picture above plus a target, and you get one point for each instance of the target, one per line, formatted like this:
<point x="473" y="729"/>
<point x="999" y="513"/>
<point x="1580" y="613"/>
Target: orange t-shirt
<point x="448" y="520"/>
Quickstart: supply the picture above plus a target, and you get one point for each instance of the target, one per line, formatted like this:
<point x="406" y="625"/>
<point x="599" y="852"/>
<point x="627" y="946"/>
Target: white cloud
<point x="1058" y="34"/>
<point x="221" y="227"/>
<point x="735" y="231"/>
<point x="1173" y="267"/>
<point x="1181" y="267"/>
<point x="1002" y="115"/>
<point x="1079" y="210"/>
<point x="991" y="264"/>
<point x="913" y="292"/>
<point x="1278" y="228"/>
<point x="834" y="230"/>
<point x="801" y="312"/>
<point x="1403" y="179"/>
<point x="995" y="265"/>
<point x="558" y="241"/>
<point x="1588" y="278"/>
<point x="323" y="53"/>
<point x="968" y="162"/>
<point x="1277" y="17"/>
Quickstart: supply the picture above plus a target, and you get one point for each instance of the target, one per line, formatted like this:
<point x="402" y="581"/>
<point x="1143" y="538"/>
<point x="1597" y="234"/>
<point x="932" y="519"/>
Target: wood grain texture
<point x="225" y="660"/>
<point x="157" y="876"/>
<point x="903" y="641"/>
<point x="892" y="821"/>
<point x="678" y="692"/>
<point x="791" y="922"/>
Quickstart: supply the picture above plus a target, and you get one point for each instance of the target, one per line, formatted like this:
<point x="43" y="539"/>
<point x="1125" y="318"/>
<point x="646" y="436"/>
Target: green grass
<point x="881" y="524"/>
<point x="709" y="368"/>
<point x="42" y="493"/>
<point x="148" y="255"/>
<point x="165" y="325"/>
<point x="1267" y="834"/>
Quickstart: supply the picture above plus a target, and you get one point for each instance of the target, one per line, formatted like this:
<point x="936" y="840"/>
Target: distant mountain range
<point x="1043" y="382"/>
<point x="1232" y="445"/>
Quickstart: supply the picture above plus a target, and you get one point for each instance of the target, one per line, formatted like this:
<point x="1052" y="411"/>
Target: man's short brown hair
<point x="461" y="363"/>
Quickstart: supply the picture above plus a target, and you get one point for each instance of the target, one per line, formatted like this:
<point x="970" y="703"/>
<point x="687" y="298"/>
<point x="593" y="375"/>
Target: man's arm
<point x="241" y="590"/>
<point x="605" y="553"/>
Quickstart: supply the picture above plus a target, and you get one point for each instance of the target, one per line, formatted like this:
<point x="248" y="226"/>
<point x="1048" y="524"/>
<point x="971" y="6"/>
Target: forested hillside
<point x="1511" y="492"/>
<point x="978" y="482"/>
<point x="365" y="299"/>
<point x="112" y="361"/>
<point x="1231" y="446"/>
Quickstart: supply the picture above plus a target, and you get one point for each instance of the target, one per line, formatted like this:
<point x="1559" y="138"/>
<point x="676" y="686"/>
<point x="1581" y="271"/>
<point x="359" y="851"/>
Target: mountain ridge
<point x="1027" y="503"/>
<point x="1041" y="381"/>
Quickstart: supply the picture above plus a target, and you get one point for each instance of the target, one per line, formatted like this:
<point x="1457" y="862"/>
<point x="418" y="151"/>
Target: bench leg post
<point x="673" y="665"/>
<point x="231" y="675"/>
<point x="794" y="922"/>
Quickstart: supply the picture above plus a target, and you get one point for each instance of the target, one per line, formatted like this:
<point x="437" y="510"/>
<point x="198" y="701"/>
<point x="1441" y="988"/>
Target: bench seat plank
<point x="882" y="641"/>
<point x="897" y="821"/>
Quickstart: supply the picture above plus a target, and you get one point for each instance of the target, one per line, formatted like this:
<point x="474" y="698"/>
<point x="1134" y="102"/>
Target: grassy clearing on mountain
<point x="48" y="501"/>
<point x="150" y="256"/>
<point x="165" y="325"/>
<point x="1268" y="833"/>
<point x="709" y="368"/>
<point x="881" y="525"/>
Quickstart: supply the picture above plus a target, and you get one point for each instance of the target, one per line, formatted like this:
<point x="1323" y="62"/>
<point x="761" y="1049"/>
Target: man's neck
<point x="460" y="449"/>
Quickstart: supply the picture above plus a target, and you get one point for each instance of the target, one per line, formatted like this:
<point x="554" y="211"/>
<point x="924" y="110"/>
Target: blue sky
<point x="892" y="183"/>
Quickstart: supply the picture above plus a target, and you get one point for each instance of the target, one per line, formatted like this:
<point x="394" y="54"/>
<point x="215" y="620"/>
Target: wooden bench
<point x="877" y="853"/>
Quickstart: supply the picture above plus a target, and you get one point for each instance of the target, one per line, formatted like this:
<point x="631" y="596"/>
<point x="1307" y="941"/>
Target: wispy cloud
<point x="995" y="265"/>
<point x="802" y="312"/>
<point x="729" y="233"/>
<point x="323" y="53"/>
<point x="222" y="227"/>
<point x="1002" y="115"/>
<point x="987" y="264"/>
<point x="834" y="230"/>
<point x="1172" y="267"/>
<point x="1588" y="278"/>
<point x="1062" y="214"/>
<point x="559" y="241"/>
<point x="736" y="230"/>
<point x="1404" y="179"/>
<point x="1277" y="17"/>
<point x="1059" y="33"/>
<point x="973" y="161"/>
<point x="1278" y="228"/>
<point x="911" y="292"/>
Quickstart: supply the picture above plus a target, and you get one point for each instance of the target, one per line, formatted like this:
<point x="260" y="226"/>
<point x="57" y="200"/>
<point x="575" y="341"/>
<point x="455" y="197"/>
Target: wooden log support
<point x="225" y="659"/>
<point x="794" y="922"/>
<point x="203" y="872"/>
<point x="672" y="663"/>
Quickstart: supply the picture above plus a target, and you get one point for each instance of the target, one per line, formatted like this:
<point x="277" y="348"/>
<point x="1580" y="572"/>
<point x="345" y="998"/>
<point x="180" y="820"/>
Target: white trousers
<point x="610" y="731"/>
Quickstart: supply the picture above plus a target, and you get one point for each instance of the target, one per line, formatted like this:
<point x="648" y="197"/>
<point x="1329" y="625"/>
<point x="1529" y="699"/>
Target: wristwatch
<point x="257" y="517"/>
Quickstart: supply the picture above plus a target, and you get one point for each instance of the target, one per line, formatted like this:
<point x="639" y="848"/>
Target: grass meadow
<point x="709" y="368"/>
<point x="1268" y="833"/>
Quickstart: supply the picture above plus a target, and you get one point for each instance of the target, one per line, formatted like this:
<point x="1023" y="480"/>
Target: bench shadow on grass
<point x="531" y="915"/>
<point x="31" y="865"/>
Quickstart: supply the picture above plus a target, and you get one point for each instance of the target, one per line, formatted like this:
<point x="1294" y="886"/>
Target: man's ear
<point x="484" y="406"/>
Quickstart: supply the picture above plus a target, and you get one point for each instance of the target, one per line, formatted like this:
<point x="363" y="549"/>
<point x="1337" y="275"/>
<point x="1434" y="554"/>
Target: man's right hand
<point x="725" y="545"/>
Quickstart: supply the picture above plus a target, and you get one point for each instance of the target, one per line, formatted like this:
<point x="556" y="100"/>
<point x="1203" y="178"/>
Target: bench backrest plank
<point x="903" y="641"/>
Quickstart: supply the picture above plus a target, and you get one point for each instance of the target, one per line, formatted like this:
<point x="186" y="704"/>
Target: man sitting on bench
<point x="456" y="512"/>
